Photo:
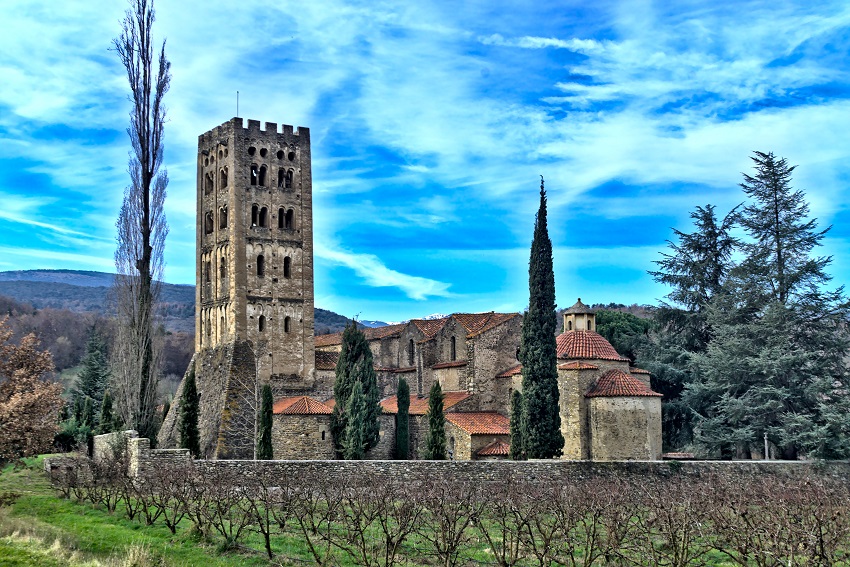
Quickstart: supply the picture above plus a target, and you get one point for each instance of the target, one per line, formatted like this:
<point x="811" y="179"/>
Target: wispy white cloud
<point x="375" y="273"/>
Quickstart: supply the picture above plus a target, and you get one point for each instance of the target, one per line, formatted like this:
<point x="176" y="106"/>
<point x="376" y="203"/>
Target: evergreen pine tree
<point x="538" y="352"/>
<point x="354" y="438"/>
<point x="264" y="444"/>
<point x="94" y="375"/>
<point x="696" y="269"/>
<point x="517" y="428"/>
<point x="355" y="366"/>
<point x="105" y="423"/>
<point x="435" y="441"/>
<point x="187" y="420"/>
<point x="776" y="363"/>
<point x="402" y="421"/>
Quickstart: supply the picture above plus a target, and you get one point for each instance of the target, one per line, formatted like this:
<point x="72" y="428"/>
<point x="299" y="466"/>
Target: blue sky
<point x="431" y="123"/>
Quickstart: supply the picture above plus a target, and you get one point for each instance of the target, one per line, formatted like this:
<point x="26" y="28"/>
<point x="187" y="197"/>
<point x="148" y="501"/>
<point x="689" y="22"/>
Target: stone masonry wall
<point x="300" y="437"/>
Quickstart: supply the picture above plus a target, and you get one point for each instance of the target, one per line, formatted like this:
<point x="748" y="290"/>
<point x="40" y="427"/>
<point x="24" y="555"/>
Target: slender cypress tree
<point x="264" y="444"/>
<point x="435" y="443"/>
<point x="354" y="440"/>
<point x="517" y="428"/>
<point x="106" y="422"/>
<point x="355" y="366"/>
<point x="87" y="418"/>
<point x="402" y="421"/>
<point x="538" y="351"/>
<point x="187" y="424"/>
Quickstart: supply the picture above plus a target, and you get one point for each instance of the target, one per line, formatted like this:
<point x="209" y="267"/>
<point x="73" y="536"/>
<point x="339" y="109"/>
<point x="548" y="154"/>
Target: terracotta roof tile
<point x="430" y="327"/>
<point x="301" y="405"/>
<point x="372" y="334"/>
<point x="512" y="371"/>
<point x="455" y="364"/>
<point x="634" y="370"/>
<point x="495" y="449"/>
<point x="419" y="406"/>
<point x="616" y="383"/>
<point x="404" y="370"/>
<point x="577" y="365"/>
<point x="481" y="422"/>
<point x="477" y="323"/>
<point x="326" y="360"/>
<point x="587" y="345"/>
<point x="328" y="340"/>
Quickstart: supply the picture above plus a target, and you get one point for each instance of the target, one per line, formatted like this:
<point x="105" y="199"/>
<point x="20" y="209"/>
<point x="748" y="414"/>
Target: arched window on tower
<point x="261" y="324"/>
<point x="262" y="176"/>
<point x="454" y="349"/>
<point x="207" y="275"/>
<point x="281" y="176"/>
<point x="287" y="267"/>
<point x="410" y="352"/>
<point x="264" y="217"/>
<point x="223" y="177"/>
<point x="208" y="222"/>
<point x="222" y="268"/>
<point x="288" y="181"/>
<point x="254" y="173"/>
<point x="280" y="214"/>
<point x="289" y="220"/>
<point x="287" y="324"/>
<point x="261" y="265"/>
<point x="222" y="217"/>
<point x="208" y="183"/>
<point x="569" y="325"/>
<point x="255" y="213"/>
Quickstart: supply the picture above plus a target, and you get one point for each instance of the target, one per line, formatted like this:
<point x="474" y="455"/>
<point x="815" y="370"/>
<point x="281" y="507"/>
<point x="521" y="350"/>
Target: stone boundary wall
<point x="141" y="457"/>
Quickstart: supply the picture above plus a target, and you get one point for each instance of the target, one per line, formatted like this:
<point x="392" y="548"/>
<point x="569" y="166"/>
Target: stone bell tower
<point x="254" y="277"/>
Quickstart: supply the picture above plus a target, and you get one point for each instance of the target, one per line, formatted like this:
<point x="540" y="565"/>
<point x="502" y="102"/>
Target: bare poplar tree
<point x="141" y="224"/>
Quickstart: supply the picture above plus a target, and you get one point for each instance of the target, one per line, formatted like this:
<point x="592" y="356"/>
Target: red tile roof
<point x="634" y="370"/>
<point x="477" y="323"/>
<point x="495" y="449"/>
<point x="616" y="383"/>
<point x="587" y="345"/>
<point x="430" y="327"/>
<point x="419" y="406"/>
<point x="577" y="365"/>
<point x="480" y="422"/>
<point x="326" y="360"/>
<point x="512" y="371"/>
<point x="455" y="364"/>
<point x="372" y="334"/>
<point x="301" y="405"/>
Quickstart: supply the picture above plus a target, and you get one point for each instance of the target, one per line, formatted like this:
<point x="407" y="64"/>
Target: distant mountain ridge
<point x="87" y="291"/>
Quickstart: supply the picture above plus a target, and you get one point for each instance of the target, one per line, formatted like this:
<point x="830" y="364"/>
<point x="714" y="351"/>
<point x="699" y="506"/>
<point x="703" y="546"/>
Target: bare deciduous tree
<point x="141" y="224"/>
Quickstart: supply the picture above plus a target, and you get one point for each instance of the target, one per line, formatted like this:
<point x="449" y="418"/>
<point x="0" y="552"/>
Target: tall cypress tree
<point x="517" y="428"/>
<point x="538" y="351"/>
<point x="402" y="421"/>
<point x="435" y="442"/>
<point x="355" y="366"/>
<point x="106" y="423"/>
<point x="354" y="440"/>
<point x="187" y="424"/>
<point x="264" y="443"/>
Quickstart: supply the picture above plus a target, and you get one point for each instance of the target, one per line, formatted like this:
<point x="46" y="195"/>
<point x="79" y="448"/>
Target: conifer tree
<point x="517" y="428"/>
<point x="402" y="423"/>
<point x="105" y="423"/>
<point x="776" y="364"/>
<point x="264" y="444"/>
<point x="354" y="439"/>
<point x="355" y="366"/>
<point x="435" y="442"/>
<point x="94" y="376"/>
<point x="538" y="352"/>
<point x="187" y="421"/>
<point x="87" y="417"/>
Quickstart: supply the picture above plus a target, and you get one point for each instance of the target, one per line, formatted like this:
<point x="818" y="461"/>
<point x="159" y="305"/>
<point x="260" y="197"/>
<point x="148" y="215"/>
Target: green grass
<point x="37" y="518"/>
